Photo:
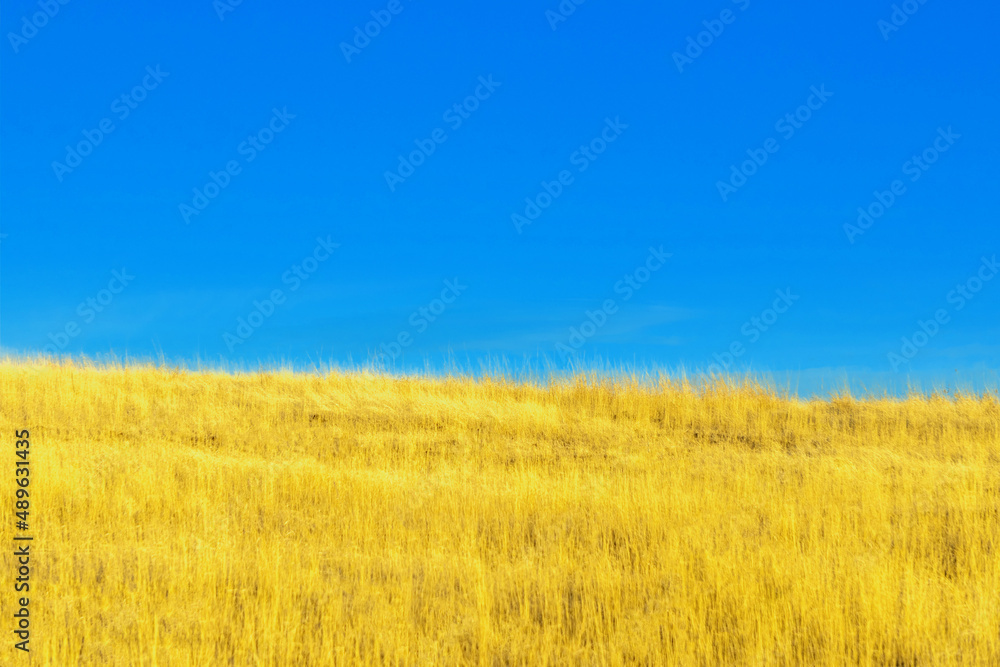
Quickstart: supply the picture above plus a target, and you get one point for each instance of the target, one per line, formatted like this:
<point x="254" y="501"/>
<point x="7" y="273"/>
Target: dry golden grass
<point x="279" y="519"/>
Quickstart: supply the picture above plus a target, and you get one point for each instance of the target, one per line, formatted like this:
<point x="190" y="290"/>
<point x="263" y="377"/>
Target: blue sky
<point x="500" y="180"/>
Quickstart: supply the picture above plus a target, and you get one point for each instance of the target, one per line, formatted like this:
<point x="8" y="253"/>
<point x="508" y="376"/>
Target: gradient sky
<point x="556" y="84"/>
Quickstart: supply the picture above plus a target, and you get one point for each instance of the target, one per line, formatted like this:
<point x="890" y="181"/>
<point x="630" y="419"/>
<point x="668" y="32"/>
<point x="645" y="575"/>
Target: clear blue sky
<point x="611" y="119"/>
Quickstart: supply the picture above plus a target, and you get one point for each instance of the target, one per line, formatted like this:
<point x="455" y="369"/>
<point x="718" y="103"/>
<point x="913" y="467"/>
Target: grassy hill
<point x="290" y="519"/>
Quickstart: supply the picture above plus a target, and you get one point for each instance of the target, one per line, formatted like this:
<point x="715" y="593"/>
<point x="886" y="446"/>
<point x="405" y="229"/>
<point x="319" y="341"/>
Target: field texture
<point x="279" y="519"/>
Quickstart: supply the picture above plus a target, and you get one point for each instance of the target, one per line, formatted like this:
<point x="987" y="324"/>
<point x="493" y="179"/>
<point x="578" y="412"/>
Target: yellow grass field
<point x="288" y="519"/>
